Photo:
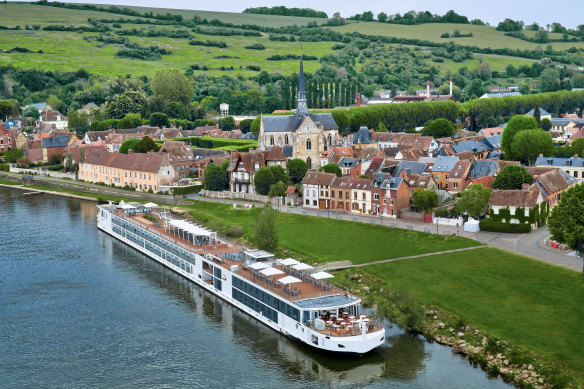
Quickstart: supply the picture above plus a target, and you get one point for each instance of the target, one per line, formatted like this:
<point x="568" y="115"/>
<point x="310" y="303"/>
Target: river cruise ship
<point x="289" y="296"/>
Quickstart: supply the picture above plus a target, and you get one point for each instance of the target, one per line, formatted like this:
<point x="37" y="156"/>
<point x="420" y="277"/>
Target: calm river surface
<point x="79" y="309"/>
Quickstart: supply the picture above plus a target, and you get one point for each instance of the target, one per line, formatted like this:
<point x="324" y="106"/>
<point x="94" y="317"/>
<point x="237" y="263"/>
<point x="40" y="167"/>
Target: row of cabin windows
<point x="255" y="305"/>
<point x="266" y="298"/>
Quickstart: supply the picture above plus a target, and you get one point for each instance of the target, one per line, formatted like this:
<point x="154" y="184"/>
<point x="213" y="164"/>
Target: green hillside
<point x="483" y="36"/>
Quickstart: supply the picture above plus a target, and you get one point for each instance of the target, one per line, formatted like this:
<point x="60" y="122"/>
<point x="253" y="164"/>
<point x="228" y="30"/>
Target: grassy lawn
<point x="530" y="303"/>
<point x="483" y="36"/>
<point x="322" y="240"/>
<point x="7" y="182"/>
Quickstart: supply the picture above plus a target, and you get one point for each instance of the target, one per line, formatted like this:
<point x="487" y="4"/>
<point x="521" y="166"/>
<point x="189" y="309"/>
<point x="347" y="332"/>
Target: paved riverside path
<point x="418" y="256"/>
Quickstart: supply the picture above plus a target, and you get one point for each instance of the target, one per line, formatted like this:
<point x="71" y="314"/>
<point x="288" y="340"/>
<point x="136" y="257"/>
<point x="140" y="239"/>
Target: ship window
<point x="341" y="346"/>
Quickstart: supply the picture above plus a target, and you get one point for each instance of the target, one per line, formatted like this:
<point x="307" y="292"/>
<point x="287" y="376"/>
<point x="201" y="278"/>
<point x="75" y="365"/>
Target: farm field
<point x="530" y="303"/>
<point x="483" y="36"/>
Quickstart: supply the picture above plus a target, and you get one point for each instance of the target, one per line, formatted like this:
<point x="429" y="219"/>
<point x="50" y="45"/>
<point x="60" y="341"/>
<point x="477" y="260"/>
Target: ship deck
<point x="308" y="288"/>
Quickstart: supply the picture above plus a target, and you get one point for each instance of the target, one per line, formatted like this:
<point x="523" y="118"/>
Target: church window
<point x="286" y="139"/>
<point x="272" y="140"/>
<point x="309" y="162"/>
<point x="308" y="144"/>
<point x="330" y="139"/>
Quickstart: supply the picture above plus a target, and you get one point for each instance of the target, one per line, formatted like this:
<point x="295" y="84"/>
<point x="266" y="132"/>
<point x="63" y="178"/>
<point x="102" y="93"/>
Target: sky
<point x="567" y="12"/>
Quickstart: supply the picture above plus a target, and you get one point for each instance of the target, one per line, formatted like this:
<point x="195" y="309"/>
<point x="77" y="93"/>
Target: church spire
<point x="302" y="108"/>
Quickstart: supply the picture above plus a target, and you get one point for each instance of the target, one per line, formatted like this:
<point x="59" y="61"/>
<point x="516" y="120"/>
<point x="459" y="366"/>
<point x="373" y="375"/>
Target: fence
<point x="242" y="196"/>
<point x="43" y="172"/>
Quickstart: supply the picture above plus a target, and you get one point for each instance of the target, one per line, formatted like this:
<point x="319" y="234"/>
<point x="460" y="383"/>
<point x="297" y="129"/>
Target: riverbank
<point x="30" y="189"/>
<point x="532" y="304"/>
<point x="515" y="364"/>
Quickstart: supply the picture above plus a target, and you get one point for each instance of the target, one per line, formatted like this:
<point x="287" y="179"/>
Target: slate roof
<point x="55" y="141"/>
<point x="444" y="164"/>
<point x="482" y="169"/>
<point x="51" y="116"/>
<point x="542" y="112"/>
<point x="204" y="153"/>
<point x="550" y="161"/>
<point x="410" y="167"/>
<point x="318" y="178"/>
<point x="387" y="182"/>
<point x="288" y="151"/>
<point x="348" y="162"/>
<point x="363" y="136"/>
<point x="93" y="136"/>
<point x="248" y="135"/>
<point x="290" y="123"/>
<point x="493" y="141"/>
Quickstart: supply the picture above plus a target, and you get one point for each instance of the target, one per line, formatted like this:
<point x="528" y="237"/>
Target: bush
<point x="184" y="190"/>
<point x="211" y="43"/>
<point x="491" y="225"/>
<point x="256" y="46"/>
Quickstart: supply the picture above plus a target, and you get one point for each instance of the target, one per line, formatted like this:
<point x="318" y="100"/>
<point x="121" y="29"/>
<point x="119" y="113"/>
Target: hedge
<point x="491" y="225"/>
<point x="184" y="190"/>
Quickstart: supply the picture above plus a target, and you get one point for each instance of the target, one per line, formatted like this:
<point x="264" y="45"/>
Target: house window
<point x="314" y="203"/>
<point x="308" y="144"/>
<point x="286" y="139"/>
<point x="346" y="194"/>
<point x="364" y="196"/>
<point x="307" y="202"/>
<point x="376" y="196"/>
<point x="447" y="176"/>
<point x="332" y="193"/>
<point x="455" y="184"/>
<point x="437" y="176"/>
<point x="355" y="195"/>
<point x="272" y="140"/>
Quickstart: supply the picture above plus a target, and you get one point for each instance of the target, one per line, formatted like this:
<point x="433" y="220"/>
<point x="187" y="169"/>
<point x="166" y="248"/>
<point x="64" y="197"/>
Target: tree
<point x="474" y="200"/>
<point x="127" y="102"/>
<point x="245" y="125"/>
<point x="512" y="177"/>
<point x="6" y="107"/>
<point x="546" y="124"/>
<point x="566" y="223"/>
<point x="341" y="117"/>
<point x="131" y="120"/>
<point x="278" y="189"/>
<point x="227" y="123"/>
<point x="425" y="199"/>
<point x="266" y="231"/>
<point x="381" y="127"/>
<point x="280" y="174"/>
<point x="159" y="119"/>
<point x="537" y="116"/>
<point x="13" y="155"/>
<point x="297" y="168"/>
<point x="78" y="121"/>
<point x="529" y="144"/>
<point x="515" y="125"/>
<point x="331" y="168"/>
<point x="33" y="112"/>
<point x="263" y="180"/>
<point x="439" y="128"/>
<point x="176" y="110"/>
<point x="255" y="125"/>
<point x="474" y="89"/>
<point x="172" y="85"/>
<point x="216" y="178"/>
<point x="145" y="145"/>
<point x="549" y="81"/>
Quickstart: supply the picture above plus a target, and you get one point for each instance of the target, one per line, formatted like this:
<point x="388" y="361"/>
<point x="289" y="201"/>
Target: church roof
<point x="290" y="123"/>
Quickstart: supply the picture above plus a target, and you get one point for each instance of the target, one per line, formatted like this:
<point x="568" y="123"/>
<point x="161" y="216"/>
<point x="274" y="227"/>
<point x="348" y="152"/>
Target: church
<point x="303" y="135"/>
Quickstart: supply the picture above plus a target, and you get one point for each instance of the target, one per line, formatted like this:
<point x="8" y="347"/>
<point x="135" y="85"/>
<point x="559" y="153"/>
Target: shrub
<point x="184" y="190"/>
<point x="256" y="46"/>
<point x="234" y="231"/>
<point x="491" y="225"/>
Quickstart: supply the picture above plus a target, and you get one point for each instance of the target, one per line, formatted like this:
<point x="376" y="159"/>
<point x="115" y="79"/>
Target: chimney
<point x="357" y="99"/>
<point x="428" y="89"/>
<point x="450" y="86"/>
<point x="525" y="187"/>
<point x="233" y="154"/>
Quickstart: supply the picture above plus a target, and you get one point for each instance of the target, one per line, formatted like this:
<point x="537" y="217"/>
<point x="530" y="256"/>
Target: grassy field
<point x="483" y="36"/>
<point x="528" y="302"/>
<point x="495" y="62"/>
<point x="322" y="239"/>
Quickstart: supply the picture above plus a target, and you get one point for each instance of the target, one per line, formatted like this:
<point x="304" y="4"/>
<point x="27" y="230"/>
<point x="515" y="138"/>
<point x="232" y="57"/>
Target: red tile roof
<point x="318" y="178"/>
<point x="515" y="198"/>
<point x="143" y="162"/>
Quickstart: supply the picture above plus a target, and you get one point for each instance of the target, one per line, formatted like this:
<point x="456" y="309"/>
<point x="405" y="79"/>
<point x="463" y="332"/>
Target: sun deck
<point x="219" y="251"/>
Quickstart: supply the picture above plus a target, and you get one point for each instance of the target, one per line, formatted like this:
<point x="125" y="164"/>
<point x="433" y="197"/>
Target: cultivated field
<point x="483" y="36"/>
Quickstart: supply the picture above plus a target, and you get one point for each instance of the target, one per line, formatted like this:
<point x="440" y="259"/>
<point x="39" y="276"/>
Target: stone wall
<point x="42" y="172"/>
<point x="242" y="196"/>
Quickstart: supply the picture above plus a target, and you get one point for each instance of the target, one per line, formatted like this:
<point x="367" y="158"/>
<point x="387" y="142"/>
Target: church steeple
<point x="302" y="109"/>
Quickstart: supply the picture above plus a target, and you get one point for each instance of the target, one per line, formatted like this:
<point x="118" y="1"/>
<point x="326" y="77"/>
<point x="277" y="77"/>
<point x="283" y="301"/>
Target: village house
<point x="341" y="194"/>
<point x="242" y="168"/>
<point x="360" y="195"/>
<point x="55" y="118"/>
<point x="75" y="152"/>
<point x="316" y="188"/>
<point x="441" y="170"/>
<point x="303" y="135"/>
<point x="525" y="199"/>
<point x="47" y="149"/>
<point x="417" y="181"/>
<point x="203" y="157"/>
<point x="180" y="156"/>
<point x="95" y="136"/>
<point x="143" y="171"/>
<point x="574" y="166"/>
<point x="457" y="181"/>
<point x="482" y="172"/>
<point x="553" y="184"/>
<point x="275" y="157"/>
<point x="389" y="196"/>
<point x="347" y="164"/>
<point x="7" y="141"/>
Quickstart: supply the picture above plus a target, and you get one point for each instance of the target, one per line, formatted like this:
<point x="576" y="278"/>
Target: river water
<point x="80" y="309"/>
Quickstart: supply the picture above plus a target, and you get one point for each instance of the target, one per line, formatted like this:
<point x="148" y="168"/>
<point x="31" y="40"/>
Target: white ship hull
<point x="356" y="344"/>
